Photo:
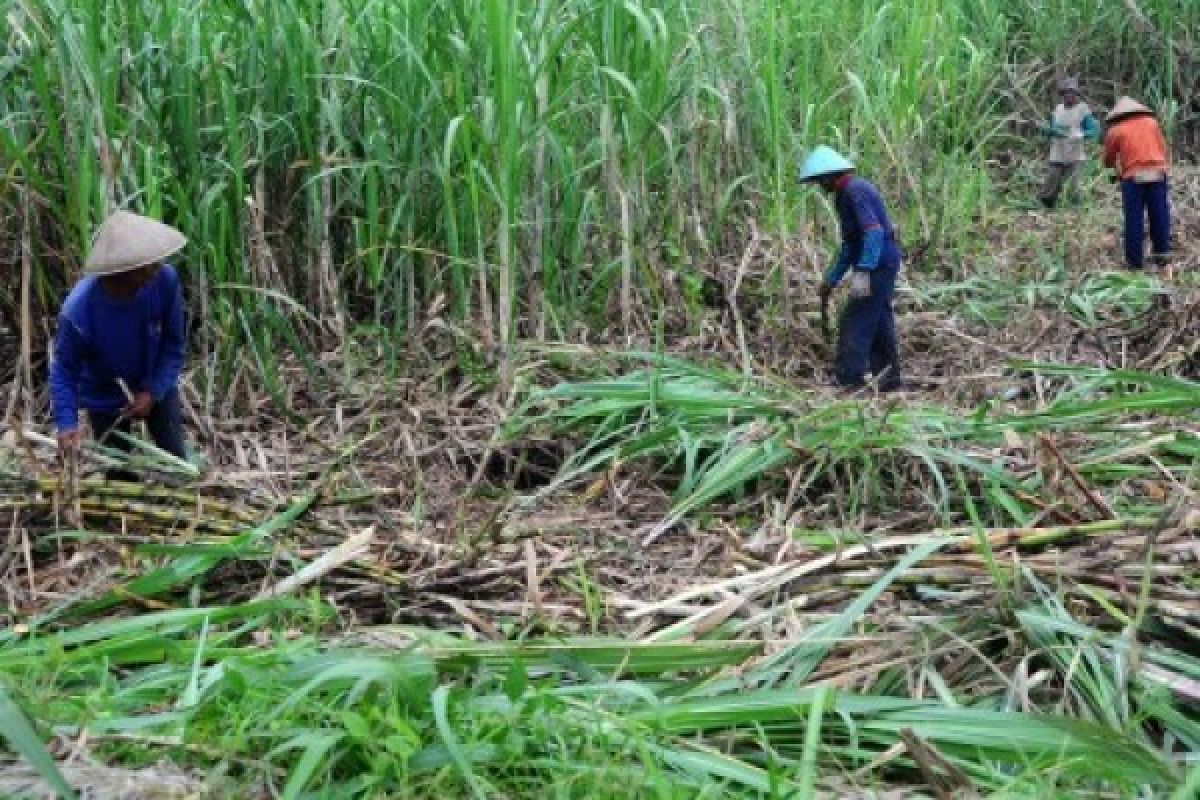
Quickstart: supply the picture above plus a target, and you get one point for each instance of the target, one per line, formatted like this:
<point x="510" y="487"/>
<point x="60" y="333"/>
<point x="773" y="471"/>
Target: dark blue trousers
<point x="867" y="334"/>
<point x="1140" y="200"/>
<point x="165" y="423"/>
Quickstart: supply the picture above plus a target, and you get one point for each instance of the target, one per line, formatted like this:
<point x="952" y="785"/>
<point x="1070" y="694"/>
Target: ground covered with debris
<point x="1045" y="450"/>
<point x="448" y="511"/>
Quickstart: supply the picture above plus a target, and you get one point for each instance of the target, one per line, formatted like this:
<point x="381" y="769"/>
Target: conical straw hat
<point x="127" y="241"/>
<point x="1125" y="107"/>
<point x="824" y="161"/>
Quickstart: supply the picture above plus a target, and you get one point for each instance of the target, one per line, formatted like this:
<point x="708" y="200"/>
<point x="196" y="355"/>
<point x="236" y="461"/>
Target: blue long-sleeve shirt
<point x="101" y="338"/>
<point x="868" y="236"/>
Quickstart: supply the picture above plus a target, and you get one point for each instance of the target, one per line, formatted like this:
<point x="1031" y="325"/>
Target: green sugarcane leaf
<point x="16" y="729"/>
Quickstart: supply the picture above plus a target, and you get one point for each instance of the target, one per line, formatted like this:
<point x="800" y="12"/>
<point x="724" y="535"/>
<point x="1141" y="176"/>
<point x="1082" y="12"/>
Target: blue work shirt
<point x="868" y="236"/>
<point x="101" y="338"/>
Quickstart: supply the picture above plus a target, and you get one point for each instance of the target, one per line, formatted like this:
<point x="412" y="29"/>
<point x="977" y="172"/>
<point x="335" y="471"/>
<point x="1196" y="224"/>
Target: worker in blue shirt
<point x="871" y="254"/>
<point x="120" y="342"/>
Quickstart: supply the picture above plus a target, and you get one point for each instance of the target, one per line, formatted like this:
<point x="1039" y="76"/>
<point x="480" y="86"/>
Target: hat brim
<point x="833" y="173"/>
<point x="117" y="269"/>
<point x="1128" y="114"/>
<point x="128" y="241"/>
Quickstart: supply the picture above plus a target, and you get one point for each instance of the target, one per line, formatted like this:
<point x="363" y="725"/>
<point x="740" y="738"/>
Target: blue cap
<point x="824" y="161"/>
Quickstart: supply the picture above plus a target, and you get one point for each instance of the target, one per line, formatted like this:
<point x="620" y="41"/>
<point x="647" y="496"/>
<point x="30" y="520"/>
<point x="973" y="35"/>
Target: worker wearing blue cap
<point x="871" y="254"/>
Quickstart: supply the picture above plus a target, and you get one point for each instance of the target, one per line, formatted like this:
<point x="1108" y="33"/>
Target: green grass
<point x="587" y="718"/>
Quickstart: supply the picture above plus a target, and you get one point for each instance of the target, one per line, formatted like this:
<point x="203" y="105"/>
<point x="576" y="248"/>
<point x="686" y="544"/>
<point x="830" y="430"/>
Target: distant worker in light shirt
<point x="1134" y="146"/>
<point x="122" y="323"/>
<point x="1071" y="126"/>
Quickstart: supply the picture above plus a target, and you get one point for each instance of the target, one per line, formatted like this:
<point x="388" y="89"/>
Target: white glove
<point x="860" y="284"/>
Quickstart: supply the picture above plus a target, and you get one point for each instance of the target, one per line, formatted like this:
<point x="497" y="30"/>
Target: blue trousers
<point x="1140" y="199"/>
<point x="867" y="335"/>
<point x="165" y="423"/>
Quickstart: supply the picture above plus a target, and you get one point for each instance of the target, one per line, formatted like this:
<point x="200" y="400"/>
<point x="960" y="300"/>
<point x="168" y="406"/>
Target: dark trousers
<point x="165" y="423"/>
<point x="867" y="335"/>
<point x="1058" y="177"/>
<point x="1140" y="200"/>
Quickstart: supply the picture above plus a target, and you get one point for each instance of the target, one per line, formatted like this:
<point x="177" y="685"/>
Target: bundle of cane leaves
<point x="992" y="298"/>
<point x="1135" y="672"/>
<point x="714" y="433"/>
<point x="144" y="456"/>
<point x="1105" y="297"/>
<point x="1142" y="679"/>
<point x="1098" y="298"/>
<point x="139" y="458"/>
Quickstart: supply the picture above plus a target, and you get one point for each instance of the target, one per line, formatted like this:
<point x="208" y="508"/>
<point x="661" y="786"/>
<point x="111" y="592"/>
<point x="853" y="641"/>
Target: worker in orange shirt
<point x="1135" y="147"/>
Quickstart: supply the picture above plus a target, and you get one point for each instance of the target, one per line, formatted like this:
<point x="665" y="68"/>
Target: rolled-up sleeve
<point x="872" y="232"/>
<point x="872" y="249"/>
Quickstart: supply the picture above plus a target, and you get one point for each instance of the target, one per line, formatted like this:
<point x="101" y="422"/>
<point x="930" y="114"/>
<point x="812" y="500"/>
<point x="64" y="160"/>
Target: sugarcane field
<point x="665" y="399"/>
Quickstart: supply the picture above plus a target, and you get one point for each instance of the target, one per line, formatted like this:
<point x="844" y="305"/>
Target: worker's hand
<point x="860" y="284"/>
<point x="140" y="407"/>
<point x="69" y="441"/>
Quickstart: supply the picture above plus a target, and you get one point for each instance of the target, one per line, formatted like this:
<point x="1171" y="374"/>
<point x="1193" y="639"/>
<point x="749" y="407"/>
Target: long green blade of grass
<point x="16" y="729"/>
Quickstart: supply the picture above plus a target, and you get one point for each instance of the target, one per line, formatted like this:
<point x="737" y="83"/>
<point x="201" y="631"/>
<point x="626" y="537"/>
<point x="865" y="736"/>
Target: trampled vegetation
<point x="521" y="474"/>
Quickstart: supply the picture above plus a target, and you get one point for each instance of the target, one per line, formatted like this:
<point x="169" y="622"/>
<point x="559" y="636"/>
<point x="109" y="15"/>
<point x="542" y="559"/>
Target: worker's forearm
<point x="64" y="379"/>
<point x="838" y="271"/>
<point x="166" y="374"/>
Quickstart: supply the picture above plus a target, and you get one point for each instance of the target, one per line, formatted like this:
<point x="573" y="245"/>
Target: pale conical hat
<point x="127" y="241"/>
<point x="1126" y="106"/>
<point x="822" y="162"/>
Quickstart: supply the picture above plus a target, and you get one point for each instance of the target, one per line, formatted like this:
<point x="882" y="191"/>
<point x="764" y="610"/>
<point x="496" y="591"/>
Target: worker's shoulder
<point x="1134" y="131"/>
<point x="860" y="189"/>
<point x="858" y="182"/>
<point x="167" y="276"/>
<point x="1146" y="122"/>
<point x="166" y="286"/>
<point x="79" y="297"/>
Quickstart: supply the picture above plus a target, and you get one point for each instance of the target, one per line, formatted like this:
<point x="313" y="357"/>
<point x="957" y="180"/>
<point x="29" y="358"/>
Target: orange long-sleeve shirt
<point x="1134" y="144"/>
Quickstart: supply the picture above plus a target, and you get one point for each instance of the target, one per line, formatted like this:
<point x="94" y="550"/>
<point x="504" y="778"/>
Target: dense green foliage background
<point x="543" y="160"/>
